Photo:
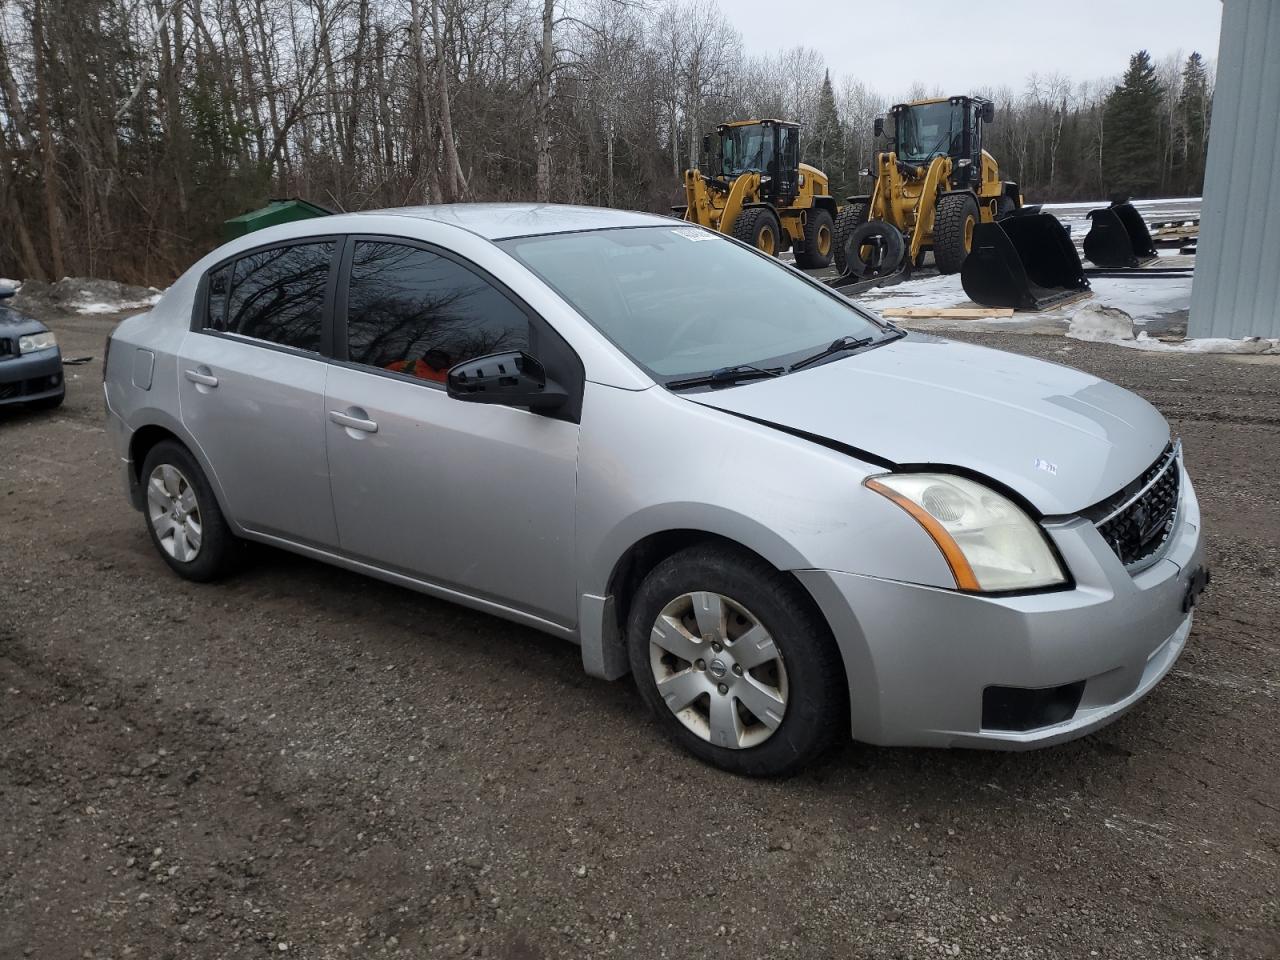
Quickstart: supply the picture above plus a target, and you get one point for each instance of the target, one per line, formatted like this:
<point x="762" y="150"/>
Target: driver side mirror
<point x="513" y="379"/>
<point x="879" y="126"/>
<point x="988" y="112"/>
<point x="706" y="144"/>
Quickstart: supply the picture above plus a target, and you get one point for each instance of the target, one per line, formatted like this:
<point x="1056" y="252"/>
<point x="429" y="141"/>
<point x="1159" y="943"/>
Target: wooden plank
<point x="970" y="312"/>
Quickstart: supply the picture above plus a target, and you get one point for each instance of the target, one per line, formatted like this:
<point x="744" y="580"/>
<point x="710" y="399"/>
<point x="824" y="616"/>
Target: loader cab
<point x="949" y="127"/>
<point x="770" y="148"/>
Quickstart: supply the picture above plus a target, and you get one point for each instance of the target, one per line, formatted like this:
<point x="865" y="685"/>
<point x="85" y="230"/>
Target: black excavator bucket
<point x="1027" y="262"/>
<point x="1118" y="237"/>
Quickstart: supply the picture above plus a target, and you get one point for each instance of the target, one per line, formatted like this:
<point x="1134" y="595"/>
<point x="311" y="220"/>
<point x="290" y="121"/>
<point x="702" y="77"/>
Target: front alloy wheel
<point x="757" y="690"/>
<point x="717" y="669"/>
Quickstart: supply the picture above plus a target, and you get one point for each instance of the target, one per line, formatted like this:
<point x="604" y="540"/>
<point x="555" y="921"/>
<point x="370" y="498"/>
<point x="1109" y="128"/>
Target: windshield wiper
<point x="841" y="345"/>
<point x="726" y="375"/>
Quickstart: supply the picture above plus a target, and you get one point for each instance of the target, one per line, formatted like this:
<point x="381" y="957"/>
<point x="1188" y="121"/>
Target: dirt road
<point x="301" y="762"/>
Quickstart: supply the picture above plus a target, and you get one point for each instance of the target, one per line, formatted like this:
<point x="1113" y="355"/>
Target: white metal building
<point x="1236" y="291"/>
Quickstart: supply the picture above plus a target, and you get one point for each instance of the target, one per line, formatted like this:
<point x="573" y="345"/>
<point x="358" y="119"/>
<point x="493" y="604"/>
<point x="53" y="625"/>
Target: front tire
<point x="953" y="231"/>
<point x="759" y="227"/>
<point x="183" y="517"/>
<point x="736" y="662"/>
<point x="819" y="241"/>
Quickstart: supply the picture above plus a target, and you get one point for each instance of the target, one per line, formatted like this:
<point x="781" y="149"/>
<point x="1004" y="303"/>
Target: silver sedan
<point x="789" y="520"/>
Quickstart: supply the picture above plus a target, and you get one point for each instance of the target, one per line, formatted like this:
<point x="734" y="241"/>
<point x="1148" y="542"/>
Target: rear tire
<point x="699" y="606"/>
<point x="819" y="241"/>
<point x="851" y="217"/>
<point x="183" y="517"/>
<point x="758" y="226"/>
<point x="953" y="231"/>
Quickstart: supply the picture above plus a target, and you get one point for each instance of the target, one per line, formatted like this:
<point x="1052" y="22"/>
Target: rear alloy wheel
<point x="953" y="231"/>
<point x="183" y="517"/>
<point x="819" y="241"/>
<point x="174" y="513"/>
<point x="759" y="227"/>
<point x="736" y="662"/>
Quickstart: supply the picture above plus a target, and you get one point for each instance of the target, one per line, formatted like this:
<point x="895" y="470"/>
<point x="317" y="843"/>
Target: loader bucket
<point x="1118" y="237"/>
<point x="1026" y="262"/>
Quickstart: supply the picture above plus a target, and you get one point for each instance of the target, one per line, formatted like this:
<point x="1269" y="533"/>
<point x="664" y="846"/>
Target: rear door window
<point x="415" y="312"/>
<point x="276" y="295"/>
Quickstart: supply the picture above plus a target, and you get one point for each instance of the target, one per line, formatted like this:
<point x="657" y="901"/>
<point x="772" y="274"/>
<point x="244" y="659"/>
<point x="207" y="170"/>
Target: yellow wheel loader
<point x="937" y="189"/>
<point x="759" y="192"/>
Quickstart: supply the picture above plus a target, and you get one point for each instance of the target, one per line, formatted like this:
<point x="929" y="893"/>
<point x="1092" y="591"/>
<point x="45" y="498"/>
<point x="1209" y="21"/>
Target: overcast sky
<point x="954" y="45"/>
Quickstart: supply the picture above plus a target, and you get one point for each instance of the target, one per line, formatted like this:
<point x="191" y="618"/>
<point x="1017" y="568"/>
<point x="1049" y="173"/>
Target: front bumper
<point x="32" y="376"/>
<point x="919" y="658"/>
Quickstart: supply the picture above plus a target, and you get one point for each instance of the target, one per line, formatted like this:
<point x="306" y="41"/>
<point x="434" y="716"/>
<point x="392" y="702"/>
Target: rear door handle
<point x="352" y="422"/>
<point x="204" y="379"/>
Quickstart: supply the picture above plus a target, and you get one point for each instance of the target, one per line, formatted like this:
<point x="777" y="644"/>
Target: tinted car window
<point x="278" y="295"/>
<point x="411" y="311"/>
<point x="219" y="286"/>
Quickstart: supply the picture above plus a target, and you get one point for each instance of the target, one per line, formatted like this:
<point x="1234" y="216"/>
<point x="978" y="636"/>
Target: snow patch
<point x="1101" y="324"/>
<point x="87" y="295"/>
<point x="1247" y="345"/>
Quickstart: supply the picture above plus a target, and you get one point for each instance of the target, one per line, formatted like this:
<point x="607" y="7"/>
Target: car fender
<point x="652" y="462"/>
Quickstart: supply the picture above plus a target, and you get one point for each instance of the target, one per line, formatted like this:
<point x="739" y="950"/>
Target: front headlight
<point x="36" y="341"/>
<point x="988" y="541"/>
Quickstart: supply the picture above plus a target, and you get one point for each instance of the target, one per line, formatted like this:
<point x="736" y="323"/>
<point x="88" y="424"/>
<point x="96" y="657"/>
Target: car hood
<point x="15" y="324"/>
<point x="1061" y="438"/>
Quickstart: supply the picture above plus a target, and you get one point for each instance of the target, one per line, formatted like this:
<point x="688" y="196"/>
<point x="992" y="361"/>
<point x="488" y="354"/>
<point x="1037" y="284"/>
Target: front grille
<point x="1137" y="521"/>
<point x="6" y="348"/>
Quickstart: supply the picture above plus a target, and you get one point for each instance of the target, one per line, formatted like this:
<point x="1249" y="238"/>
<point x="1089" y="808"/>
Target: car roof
<point x="501" y="221"/>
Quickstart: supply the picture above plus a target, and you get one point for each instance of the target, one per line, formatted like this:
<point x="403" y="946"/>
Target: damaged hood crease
<point x="1062" y="439"/>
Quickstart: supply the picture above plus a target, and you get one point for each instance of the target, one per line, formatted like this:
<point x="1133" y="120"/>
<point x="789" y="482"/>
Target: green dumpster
<point x="277" y="211"/>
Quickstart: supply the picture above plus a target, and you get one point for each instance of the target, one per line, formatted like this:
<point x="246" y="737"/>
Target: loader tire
<point x="851" y="217"/>
<point x="759" y="227"/>
<point x="953" y="231"/>
<point x="819" y="241"/>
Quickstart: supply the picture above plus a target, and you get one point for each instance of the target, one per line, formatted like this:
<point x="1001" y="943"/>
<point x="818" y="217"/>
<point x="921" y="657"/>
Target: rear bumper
<point x="920" y="659"/>
<point x="33" y="376"/>
<point x="119" y="434"/>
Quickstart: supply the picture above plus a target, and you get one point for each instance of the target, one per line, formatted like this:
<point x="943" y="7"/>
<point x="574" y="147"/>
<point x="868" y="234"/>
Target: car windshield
<point x="681" y="301"/>
<point x="928" y="130"/>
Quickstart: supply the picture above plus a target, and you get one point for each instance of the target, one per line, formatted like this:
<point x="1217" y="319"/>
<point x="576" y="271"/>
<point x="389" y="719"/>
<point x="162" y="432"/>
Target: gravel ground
<point x="303" y="762"/>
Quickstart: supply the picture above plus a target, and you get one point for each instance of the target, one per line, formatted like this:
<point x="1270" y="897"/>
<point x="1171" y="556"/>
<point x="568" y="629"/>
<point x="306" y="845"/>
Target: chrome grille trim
<point x="1160" y="493"/>
<point x="1172" y="457"/>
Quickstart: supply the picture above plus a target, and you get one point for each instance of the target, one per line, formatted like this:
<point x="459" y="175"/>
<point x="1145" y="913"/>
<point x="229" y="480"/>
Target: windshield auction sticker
<point x="693" y="233"/>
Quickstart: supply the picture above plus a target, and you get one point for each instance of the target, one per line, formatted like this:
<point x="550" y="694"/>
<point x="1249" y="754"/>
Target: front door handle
<point x="353" y="422"/>
<point x="204" y="379"/>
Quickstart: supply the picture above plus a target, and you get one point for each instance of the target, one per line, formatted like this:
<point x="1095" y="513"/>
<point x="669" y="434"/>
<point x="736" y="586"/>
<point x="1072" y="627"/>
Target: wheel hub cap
<point x="718" y="670"/>
<point x="174" y="512"/>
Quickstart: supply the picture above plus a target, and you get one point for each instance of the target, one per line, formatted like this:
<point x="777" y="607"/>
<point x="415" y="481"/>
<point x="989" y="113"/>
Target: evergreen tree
<point x="1131" y="154"/>
<point x="1193" y="124"/>
<point x="826" y="148"/>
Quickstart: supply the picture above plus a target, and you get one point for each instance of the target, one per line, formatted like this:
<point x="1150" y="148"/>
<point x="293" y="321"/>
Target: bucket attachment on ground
<point x="1025" y="262"/>
<point x="1118" y="237"/>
